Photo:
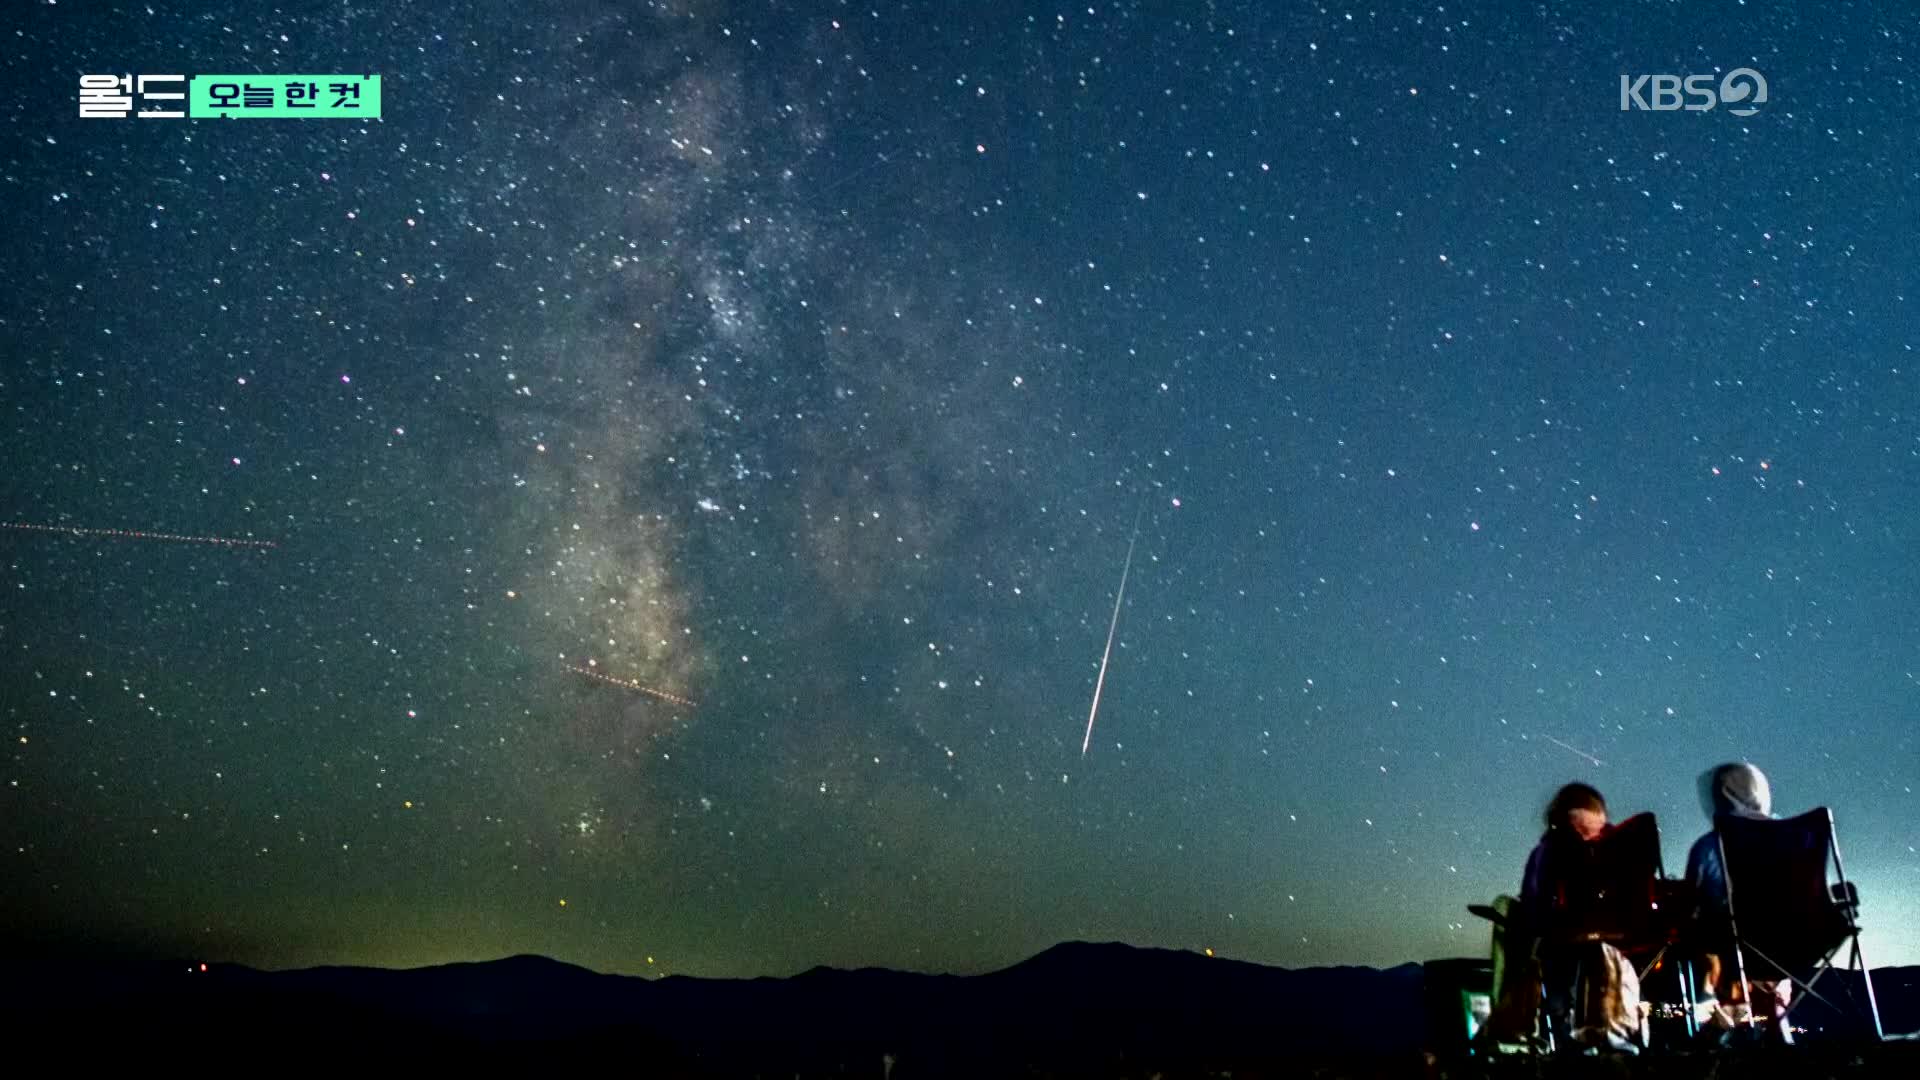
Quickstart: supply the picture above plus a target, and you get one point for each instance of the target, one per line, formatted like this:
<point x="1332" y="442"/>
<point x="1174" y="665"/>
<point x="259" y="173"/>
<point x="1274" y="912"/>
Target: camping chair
<point x="1784" y="917"/>
<point x="1613" y="894"/>
<point x="1619" y="895"/>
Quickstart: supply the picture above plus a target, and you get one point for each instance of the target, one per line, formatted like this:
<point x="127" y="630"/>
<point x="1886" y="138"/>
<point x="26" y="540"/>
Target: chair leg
<point x="1684" y="972"/>
<point x="1740" y="976"/>
<point x="1543" y="1021"/>
<point x="1866" y="978"/>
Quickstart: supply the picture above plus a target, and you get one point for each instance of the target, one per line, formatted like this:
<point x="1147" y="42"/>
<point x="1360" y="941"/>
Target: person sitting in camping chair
<point x="1777" y="905"/>
<point x="1737" y="790"/>
<point x="1591" y="991"/>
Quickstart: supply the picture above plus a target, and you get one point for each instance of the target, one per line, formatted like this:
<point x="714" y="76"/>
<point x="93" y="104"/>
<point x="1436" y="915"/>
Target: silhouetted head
<point x="1736" y="789"/>
<point x="1577" y="809"/>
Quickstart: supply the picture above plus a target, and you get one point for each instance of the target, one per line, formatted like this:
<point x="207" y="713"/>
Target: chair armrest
<point x="1843" y="894"/>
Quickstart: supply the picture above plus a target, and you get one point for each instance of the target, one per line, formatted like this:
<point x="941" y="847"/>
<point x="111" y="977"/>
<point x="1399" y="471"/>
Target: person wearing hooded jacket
<point x="1737" y="789"/>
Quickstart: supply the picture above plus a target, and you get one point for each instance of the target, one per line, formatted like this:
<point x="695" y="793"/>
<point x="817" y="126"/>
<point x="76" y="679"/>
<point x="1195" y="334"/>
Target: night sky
<point x="810" y="365"/>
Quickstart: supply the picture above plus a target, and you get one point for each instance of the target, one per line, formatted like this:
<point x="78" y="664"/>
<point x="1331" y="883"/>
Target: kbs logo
<point x="1741" y="90"/>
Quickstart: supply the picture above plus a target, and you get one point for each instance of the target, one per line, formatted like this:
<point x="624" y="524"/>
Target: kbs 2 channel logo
<point x="1741" y="91"/>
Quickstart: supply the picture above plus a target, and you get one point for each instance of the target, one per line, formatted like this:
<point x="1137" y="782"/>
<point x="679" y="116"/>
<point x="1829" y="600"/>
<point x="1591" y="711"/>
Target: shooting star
<point x="1114" y="624"/>
<point x="629" y="684"/>
<point x="1574" y="750"/>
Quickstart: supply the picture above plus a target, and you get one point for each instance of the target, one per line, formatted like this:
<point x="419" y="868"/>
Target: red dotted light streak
<point x="629" y="684"/>
<point x="137" y="534"/>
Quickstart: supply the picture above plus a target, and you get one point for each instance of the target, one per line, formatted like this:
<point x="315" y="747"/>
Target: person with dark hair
<point x="1602" y="1010"/>
<point x="1736" y="789"/>
<point x="1577" y="815"/>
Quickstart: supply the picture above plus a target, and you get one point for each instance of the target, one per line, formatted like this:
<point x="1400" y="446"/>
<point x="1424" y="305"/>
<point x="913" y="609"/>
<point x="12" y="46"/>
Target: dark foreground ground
<point x="1077" y="1010"/>
<point x="228" y="1045"/>
<point x="1894" y="1058"/>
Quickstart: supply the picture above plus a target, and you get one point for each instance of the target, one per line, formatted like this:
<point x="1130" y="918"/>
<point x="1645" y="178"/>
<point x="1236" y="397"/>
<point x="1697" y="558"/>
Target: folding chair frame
<point x="1848" y="901"/>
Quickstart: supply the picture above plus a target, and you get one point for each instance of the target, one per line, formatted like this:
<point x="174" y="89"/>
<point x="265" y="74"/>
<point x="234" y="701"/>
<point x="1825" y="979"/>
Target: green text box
<point x="337" y="97"/>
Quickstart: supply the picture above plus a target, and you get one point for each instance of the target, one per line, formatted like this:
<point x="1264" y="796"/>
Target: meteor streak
<point x="1113" y="625"/>
<point x="139" y="534"/>
<point x="629" y="684"/>
<point x="1576" y="751"/>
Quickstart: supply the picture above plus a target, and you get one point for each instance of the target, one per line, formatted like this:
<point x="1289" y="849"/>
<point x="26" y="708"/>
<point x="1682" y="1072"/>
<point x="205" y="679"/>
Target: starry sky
<point x="700" y="444"/>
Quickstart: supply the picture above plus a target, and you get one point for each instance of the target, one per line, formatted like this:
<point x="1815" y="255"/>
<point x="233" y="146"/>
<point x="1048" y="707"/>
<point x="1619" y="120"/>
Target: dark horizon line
<point x="142" y="958"/>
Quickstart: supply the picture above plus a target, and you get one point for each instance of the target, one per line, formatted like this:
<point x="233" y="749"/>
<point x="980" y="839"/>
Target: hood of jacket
<point x="1736" y="789"/>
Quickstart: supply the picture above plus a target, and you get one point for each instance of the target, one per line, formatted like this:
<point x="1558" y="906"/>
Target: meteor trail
<point x="630" y="684"/>
<point x="1572" y="749"/>
<point x="139" y="534"/>
<point x="1111" y="627"/>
